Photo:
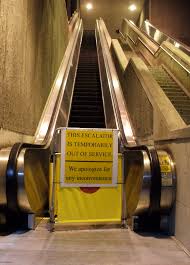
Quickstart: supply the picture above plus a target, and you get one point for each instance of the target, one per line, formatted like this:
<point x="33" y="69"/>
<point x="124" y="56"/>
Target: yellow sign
<point x="166" y="170"/>
<point x="165" y="166"/>
<point x="89" y="157"/>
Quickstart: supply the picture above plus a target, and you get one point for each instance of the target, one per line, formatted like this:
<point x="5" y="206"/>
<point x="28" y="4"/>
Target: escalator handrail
<point x="120" y="111"/>
<point x="185" y="49"/>
<point x="44" y="132"/>
<point x="154" y="53"/>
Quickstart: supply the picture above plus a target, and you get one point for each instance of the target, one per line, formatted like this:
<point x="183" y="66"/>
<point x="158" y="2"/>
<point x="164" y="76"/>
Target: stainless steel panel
<point x="33" y="173"/>
<point x="4" y="156"/>
<point x="115" y="91"/>
<point x="159" y="37"/>
<point x="138" y="182"/>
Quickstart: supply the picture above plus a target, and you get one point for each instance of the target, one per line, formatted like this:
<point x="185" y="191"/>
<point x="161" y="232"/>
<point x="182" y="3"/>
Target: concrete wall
<point x="33" y="39"/>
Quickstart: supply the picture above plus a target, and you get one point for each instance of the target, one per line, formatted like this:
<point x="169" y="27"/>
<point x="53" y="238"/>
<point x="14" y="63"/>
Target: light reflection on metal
<point x="147" y="26"/>
<point x="120" y="112"/>
<point x="159" y="46"/>
<point x="177" y="45"/>
<point x="157" y="35"/>
<point x="59" y="85"/>
<point x="58" y="82"/>
<point x="132" y="22"/>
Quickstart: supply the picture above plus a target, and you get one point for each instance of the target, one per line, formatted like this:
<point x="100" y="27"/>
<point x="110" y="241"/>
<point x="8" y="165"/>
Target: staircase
<point x="87" y="105"/>
<point x="173" y="91"/>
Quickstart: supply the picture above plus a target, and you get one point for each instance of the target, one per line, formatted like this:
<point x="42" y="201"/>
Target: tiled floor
<point x="97" y="247"/>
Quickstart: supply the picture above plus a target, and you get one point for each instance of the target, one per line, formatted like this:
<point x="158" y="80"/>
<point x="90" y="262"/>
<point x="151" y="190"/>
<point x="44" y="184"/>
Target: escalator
<point x="87" y="96"/>
<point x="164" y="58"/>
<point x="87" y="105"/>
<point x="173" y="91"/>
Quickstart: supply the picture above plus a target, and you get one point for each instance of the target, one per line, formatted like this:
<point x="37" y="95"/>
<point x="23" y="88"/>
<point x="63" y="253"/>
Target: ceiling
<point x="112" y="11"/>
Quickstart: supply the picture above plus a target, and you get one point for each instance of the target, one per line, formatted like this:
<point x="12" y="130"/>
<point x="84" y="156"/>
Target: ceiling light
<point x="89" y="6"/>
<point x="132" y="7"/>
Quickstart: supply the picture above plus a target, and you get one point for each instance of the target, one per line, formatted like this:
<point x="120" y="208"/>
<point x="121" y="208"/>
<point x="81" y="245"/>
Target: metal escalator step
<point x="87" y="107"/>
<point x="181" y="101"/>
<point x="81" y="95"/>
<point x="88" y="101"/>
<point x="173" y="90"/>
<point x="90" y="93"/>
<point x="87" y="124"/>
<point x="85" y="102"/>
<point x="92" y="78"/>
<point x="93" y="75"/>
<point x="88" y="118"/>
<point x="174" y="93"/>
<point x="86" y="83"/>
<point x="177" y="97"/>
<point x="86" y="90"/>
<point x="181" y="107"/>
<point x="167" y="84"/>
<point x="184" y="112"/>
<point x="186" y="119"/>
<point x="84" y="77"/>
<point x="83" y="112"/>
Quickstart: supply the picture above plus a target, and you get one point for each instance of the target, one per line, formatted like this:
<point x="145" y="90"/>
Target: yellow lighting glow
<point x="132" y="7"/>
<point x="177" y="45"/>
<point x="89" y="6"/>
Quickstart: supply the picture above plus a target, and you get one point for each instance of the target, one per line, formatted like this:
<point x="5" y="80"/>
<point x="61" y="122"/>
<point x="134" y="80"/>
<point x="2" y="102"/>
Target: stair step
<point x="183" y="101"/>
<point x="84" y="112"/>
<point x="184" y="111"/>
<point x="87" y="98"/>
<point x="175" y="93"/>
<point x="87" y="118"/>
<point x="178" y="97"/>
<point x="87" y="93"/>
<point x="172" y="90"/>
<point x="87" y="106"/>
<point x="87" y="124"/>
<point x="181" y="107"/>
<point x="85" y="102"/>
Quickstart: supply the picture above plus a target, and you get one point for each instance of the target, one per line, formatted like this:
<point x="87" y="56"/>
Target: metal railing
<point x="159" y="46"/>
<point x="159" y="37"/>
<point x="120" y="111"/>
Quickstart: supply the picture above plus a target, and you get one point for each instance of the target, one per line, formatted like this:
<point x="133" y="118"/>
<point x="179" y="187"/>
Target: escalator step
<point x="84" y="112"/>
<point x="87" y="105"/>
<point x="87" y="118"/>
<point x="87" y="124"/>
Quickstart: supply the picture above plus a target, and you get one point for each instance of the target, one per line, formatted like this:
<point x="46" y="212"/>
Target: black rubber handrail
<point x="11" y="175"/>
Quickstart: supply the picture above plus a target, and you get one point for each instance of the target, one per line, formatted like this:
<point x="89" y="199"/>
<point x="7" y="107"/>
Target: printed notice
<point x="166" y="170"/>
<point x="89" y="157"/>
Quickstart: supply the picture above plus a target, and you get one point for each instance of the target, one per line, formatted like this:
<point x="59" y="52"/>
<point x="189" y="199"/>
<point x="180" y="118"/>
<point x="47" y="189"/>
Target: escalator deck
<point x="87" y="104"/>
